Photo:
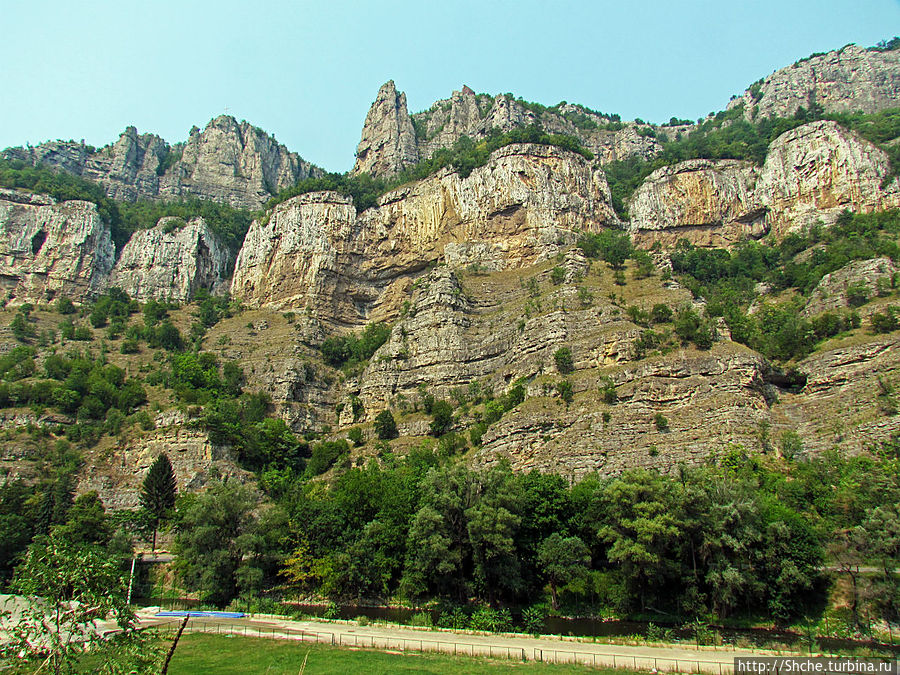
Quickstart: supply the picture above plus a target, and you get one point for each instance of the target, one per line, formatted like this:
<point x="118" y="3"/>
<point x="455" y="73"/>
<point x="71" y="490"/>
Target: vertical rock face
<point x="128" y="168"/>
<point x="51" y="249"/>
<point x="818" y="170"/>
<point x="316" y="252"/>
<point x="229" y="162"/>
<point x="844" y="80"/>
<point x="234" y="163"/>
<point x="171" y="261"/>
<point x="393" y="140"/>
<point x="709" y="202"/>
<point x="810" y="174"/>
<point x="388" y="142"/>
<point x="292" y="260"/>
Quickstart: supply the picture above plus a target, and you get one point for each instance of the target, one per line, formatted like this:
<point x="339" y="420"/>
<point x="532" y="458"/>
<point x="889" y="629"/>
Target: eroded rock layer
<point x="171" y="261"/>
<point x="316" y="252"/>
<point x="49" y="249"/>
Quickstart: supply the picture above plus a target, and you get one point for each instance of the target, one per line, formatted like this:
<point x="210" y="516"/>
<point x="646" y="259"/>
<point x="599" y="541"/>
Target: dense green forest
<point x="744" y="536"/>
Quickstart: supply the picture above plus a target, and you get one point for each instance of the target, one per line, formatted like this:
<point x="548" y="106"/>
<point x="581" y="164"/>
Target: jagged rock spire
<point x="388" y="142"/>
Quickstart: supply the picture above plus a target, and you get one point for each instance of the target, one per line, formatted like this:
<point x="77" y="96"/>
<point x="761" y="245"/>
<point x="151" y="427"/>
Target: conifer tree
<point x="158" y="491"/>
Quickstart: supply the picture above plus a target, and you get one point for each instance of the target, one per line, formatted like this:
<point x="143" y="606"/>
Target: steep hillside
<point x="580" y="296"/>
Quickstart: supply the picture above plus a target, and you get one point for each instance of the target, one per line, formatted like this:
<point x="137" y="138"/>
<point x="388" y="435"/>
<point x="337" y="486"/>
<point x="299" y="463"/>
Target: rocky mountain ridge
<point x="479" y="276"/>
<point x="844" y="80"/>
<point x="393" y="140"/>
<point x="228" y="161"/>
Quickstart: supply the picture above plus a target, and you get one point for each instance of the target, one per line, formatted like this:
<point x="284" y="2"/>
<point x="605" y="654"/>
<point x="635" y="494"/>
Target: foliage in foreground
<point x="66" y="587"/>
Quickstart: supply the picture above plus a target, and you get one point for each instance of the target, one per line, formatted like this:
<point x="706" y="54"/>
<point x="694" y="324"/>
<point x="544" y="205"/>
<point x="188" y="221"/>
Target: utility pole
<point x="131" y="580"/>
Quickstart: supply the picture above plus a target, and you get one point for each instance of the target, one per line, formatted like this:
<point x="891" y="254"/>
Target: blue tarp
<point x="215" y="615"/>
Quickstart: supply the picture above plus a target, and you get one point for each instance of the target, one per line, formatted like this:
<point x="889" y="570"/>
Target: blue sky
<point x="308" y="71"/>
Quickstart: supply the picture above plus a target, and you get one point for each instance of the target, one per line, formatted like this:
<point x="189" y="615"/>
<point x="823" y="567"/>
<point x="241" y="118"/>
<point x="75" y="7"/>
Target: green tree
<point x="882" y="526"/>
<point x="565" y="391"/>
<point x="219" y="544"/>
<point x="16" y="523"/>
<point x="442" y="418"/>
<point x="158" y="491"/>
<point x="563" y="359"/>
<point x="640" y="518"/>
<point x="71" y="590"/>
<point x="87" y="522"/>
<point x="562" y="559"/>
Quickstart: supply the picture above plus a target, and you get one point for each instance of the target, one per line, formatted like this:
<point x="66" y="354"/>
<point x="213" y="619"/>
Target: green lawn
<point x="198" y="653"/>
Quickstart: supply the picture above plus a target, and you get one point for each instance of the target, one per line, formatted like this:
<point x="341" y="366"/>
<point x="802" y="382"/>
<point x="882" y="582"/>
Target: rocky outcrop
<point x="233" y="163"/>
<point x="393" y="140"/>
<point x="811" y="175"/>
<point x="481" y="331"/>
<point x="119" y="474"/>
<point x="848" y="401"/>
<point x="229" y="161"/>
<point x="291" y="259"/>
<point x="709" y="202"/>
<point x="845" y="80"/>
<point x="830" y="294"/>
<point x="709" y="399"/>
<point x="128" y="169"/>
<point x="171" y="261"/>
<point x="315" y="251"/>
<point x="818" y="170"/>
<point x="49" y="249"/>
<point x="467" y="114"/>
<point x="388" y="142"/>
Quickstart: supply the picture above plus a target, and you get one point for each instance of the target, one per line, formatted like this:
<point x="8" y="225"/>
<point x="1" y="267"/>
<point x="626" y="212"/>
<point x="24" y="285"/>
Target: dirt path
<point x="680" y="658"/>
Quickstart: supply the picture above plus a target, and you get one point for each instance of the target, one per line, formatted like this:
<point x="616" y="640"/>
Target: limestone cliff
<point x="171" y="261"/>
<point x="818" y="170"/>
<point x="844" y="80"/>
<point x="49" y="249"/>
<point x="229" y="161"/>
<point x="315" y="251"/>
<point x="388" y="142"/>
<point x="811" y="174"/>
<point x="234" y="163"/>
<point x="392" y="139"/>
<point x="709" y="202"/>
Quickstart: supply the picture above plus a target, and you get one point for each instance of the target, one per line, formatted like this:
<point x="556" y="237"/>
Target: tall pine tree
<point x="158" y="491"/>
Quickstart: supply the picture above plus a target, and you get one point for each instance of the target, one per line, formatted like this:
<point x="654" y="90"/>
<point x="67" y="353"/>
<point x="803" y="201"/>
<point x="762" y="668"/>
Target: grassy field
<point x="244" y="656"/>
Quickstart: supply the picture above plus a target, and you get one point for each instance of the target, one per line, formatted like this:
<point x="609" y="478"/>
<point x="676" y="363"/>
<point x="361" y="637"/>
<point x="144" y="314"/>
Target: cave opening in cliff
<point x="37" y="241"/>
